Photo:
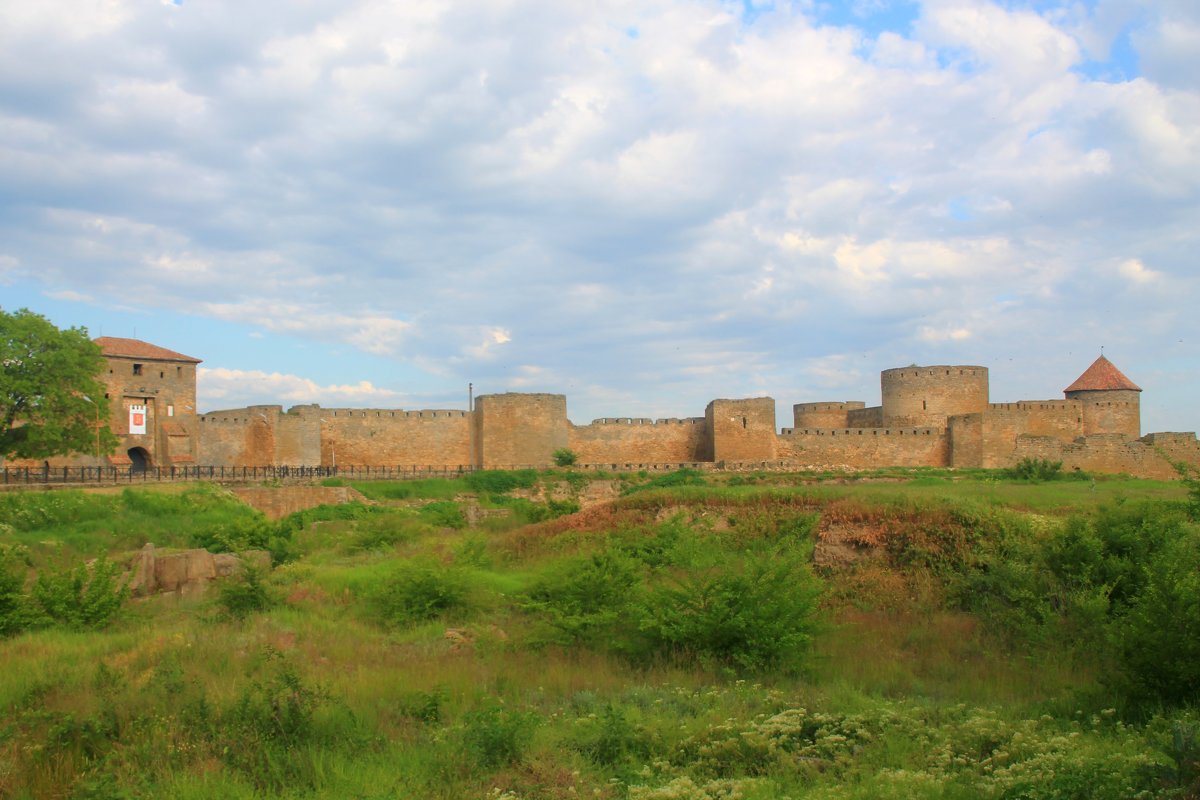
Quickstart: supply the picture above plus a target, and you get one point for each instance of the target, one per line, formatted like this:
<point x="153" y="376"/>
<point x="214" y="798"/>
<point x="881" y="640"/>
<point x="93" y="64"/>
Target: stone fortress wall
<point x="935" y="416"/>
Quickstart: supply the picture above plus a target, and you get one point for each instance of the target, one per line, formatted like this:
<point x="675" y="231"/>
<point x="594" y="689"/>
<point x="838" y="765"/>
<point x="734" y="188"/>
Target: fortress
<point x="936" y="416"/>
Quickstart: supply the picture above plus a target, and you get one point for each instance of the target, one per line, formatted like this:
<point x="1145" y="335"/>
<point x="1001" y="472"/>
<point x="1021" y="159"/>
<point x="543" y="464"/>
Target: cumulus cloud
<point x="654" y="203"/>
<point x="219" y="387"/>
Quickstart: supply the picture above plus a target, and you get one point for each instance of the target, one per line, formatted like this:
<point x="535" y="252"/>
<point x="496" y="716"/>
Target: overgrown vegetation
<point x="934" y="636"/>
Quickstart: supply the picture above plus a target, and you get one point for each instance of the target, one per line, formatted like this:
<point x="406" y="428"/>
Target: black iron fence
<point x="63" y="476"/>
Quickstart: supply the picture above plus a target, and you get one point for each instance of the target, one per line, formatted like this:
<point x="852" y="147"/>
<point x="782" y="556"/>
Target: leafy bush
<point x="16" y="612"/>
<point x="680" y="477"/>
<point x="1158" y="639"/>
<point x="83" y="598"/>
<point x="586" y="600"/>
<point x="244" y="594"/>
<point x="444" y="514"/>
<point x="274" y="729"/>
<point x="754" y="615"/>
<point x="565" y="457"/>
<point x="1035" y="470"/>
<point x="417" y="591"/>
<point x="531" y="512"/>
<point x="499" y="481"/>
<point x="497" y="737"/>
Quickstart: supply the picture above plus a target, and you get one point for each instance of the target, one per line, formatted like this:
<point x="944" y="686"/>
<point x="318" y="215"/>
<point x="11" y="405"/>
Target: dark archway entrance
<point x="139" y="459"/>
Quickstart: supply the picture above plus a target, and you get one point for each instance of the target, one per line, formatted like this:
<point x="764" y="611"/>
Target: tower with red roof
<point x="1111" y="402"/>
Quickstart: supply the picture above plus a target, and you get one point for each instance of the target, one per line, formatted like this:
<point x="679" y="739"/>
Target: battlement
<point x="356" y="413"/>
<point x="648" y="421"/>
<point x="846" y="405"/>
<point x="1035" y="405"/>
<point x="861" y="432"/>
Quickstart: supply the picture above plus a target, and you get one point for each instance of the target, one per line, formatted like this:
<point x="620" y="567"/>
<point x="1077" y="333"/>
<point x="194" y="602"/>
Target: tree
<point x="51" y="399"/>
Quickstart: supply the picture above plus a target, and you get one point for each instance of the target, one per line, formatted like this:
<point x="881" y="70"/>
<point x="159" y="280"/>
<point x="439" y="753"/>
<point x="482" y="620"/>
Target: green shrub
<point x="586" y="600"/>
<point x="444" y="514"/>
<point x="499" y="481"/>
<point x="495" y="736"/>
<point x="421" y="488"/>
<point x="416" y="591"/>
<point x="1035" y="470"/>
<point x="16" y="613"/>
<point x="564" y="457"/>
<point x="273" y="733"/>
<point x="530" y="512"/>
<point x="1191" y="481"/>
<point x="243" y="594"/>
<point x="608" y="738"/>
<point x="680" y="477"/>
<point x="756" y="614"/>
<point x="83" y="598"/>
<point x="1158" y="639"/>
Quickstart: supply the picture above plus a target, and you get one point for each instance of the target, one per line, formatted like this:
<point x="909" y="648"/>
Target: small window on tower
<point x="170" y="411"/>
<point x="137" y="369"/>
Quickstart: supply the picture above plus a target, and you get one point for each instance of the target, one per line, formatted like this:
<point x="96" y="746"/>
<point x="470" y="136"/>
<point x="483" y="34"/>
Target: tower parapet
<point x="928" y="396"/>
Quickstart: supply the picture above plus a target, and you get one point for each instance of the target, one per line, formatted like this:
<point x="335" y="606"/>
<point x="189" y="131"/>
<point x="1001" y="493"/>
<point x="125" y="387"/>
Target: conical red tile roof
<point x="1102" y="376"/>
<point x="136" y="348"/>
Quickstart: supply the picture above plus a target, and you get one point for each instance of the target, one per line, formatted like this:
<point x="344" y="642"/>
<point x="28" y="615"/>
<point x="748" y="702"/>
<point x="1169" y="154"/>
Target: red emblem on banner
<point x="139" y="419"/>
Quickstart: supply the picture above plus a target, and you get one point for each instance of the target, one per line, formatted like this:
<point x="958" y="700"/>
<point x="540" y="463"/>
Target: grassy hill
<point x="907" y="634"/>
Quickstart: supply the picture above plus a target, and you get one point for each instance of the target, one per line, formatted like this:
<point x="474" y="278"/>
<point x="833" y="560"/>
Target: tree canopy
<point x="51" y="396"/>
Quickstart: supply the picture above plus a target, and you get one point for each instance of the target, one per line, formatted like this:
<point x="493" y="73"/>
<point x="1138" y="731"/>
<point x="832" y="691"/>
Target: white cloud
<point x="234" y="388"/>
<point x="1134" y="271"/>
<point x="654" y="203"/>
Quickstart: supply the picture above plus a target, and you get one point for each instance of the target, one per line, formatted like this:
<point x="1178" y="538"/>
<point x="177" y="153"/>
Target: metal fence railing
<point x="67" y="476"/>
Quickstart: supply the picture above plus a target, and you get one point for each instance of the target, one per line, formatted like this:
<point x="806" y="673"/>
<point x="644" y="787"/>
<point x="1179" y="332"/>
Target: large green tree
<point x="51" y="397"/>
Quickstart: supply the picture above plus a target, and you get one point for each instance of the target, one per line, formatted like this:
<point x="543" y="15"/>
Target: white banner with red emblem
<point x="137" y="419"/>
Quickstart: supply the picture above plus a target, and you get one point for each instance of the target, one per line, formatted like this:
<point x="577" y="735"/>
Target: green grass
<point x="351" y="686"/>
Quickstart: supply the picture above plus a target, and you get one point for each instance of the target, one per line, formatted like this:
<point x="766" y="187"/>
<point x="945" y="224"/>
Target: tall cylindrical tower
<point x="925" y="397"/>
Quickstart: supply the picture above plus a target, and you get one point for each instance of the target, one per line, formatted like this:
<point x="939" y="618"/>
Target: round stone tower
<point x="925" y="397"/>
<point x="1111" y="402"/>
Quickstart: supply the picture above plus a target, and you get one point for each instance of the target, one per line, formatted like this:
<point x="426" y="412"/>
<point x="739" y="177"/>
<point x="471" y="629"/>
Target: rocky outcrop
<point x="187" y="572"/>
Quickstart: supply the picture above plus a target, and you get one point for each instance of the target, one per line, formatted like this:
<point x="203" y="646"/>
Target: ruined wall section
<point x="514" y="429"/>
<point x="741" y="430"/>
<point x="1115" y="453"/>
<point x="386" y="437"/>
<point x="640" y="441"/>
<point x="1002" y="423"/>
<point x="825" y="415"/>
<point x="865" y="447"/>
<point x="919" y="397"/>
<point x="241" y="437"/>
<point x="871" y="417"/>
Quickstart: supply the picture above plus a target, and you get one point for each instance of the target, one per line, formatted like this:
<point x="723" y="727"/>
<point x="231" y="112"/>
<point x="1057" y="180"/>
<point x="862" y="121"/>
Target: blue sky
<point x="644" y="205"/>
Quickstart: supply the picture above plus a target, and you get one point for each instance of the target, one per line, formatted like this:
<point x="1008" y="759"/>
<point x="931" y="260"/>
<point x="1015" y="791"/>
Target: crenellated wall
<point x="928" y="396"/>
<point x="1116" y="411"/>
<point x="929" y="416"/>
<point x="865" y="447"/>
<point x="1002" y="423"/>
<point x="1115" y="453"/>
<point x="825" y="415"/>
<point x="395" y="437"/>
<point x="664" y="441"/>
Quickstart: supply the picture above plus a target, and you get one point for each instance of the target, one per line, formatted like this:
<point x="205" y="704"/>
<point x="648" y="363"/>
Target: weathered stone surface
<point x="187" y="572"/>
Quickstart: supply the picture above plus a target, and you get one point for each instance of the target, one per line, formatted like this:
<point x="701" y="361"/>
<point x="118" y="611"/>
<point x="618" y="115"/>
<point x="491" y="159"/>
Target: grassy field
<point x="906" y="634"/>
